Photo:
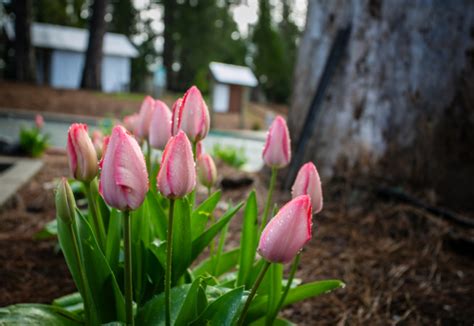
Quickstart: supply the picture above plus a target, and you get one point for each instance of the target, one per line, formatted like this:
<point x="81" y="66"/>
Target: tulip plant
<point x="136" y="252"/>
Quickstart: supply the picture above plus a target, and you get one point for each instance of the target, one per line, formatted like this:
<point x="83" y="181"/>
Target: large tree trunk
<point x="91" y="75"/>
<point x="24" y="50"/>
<point x="400" y="103"/>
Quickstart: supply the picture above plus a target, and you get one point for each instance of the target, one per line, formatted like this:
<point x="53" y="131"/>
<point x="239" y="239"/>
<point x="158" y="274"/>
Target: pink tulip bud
<point x="193" y="115"/>
<point x="160" y="126"/>
<point x="98" y="141"/>
<point x="287" y="233"/>
<point x="307" y="182"/>
<point x="81" y="153"/>
<point x="39" y="121"/>
<point x="124" y="178"/>
<point x="130" y="122"/>
<point x="142" y="127"/>
<point x="104" y="149"/>
<point x="175" y="116"/>
<point x="177" y="176"/>
<point x="277" y="151"/>
<point x="207" y="172"/>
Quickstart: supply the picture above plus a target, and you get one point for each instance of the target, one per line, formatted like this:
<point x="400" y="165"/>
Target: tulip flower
<point x="142" y="127"/>
<point x="307" y="182"/>
<point x="98" y="142"/>
<point x="287" y="233"/>
<point x="124" y="178"/>
<point x="130" y="122"/>
<point x="160" y="125"/>
<point x="277" y="151"/>
<point x="193" y="115"/>
<point x="39" y="121"/>
<point x="81" y="153"/>
<point x="177" y="176"/>
<point x="175" y="116"/>
<point x="65" y="203"/>
<point x="207" y="172"/>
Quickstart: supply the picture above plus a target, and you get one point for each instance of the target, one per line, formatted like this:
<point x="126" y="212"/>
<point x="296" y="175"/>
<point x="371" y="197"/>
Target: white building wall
<point x="66" y="71"/>
<point x="115" y="74"/>
<point x="220" y="97"/>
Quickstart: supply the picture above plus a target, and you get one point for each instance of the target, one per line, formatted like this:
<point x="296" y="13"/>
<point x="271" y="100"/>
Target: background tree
<point x="196" y="33"/>
<point x="25" y="69"/>
<point x="289" y="34"/>
<point x="61" y="12"/>
<point x="124" y="17"/>
<point x="270" y="64"/>
<point x="91" y="76"/>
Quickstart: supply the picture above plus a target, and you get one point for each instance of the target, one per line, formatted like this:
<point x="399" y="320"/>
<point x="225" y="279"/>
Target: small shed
<point x="60" y="55"/>
<point x="230" y="84"/>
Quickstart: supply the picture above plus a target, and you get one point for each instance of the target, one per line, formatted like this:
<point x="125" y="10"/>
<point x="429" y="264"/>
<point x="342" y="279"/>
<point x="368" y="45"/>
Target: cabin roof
<point x="232" y="74"/>
<point x="74" y="39"/>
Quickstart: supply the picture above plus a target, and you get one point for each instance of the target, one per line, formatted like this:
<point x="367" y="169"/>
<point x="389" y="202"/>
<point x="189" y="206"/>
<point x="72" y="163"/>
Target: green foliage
<point x="212" y="292"/>
<point x="33" y="142"/>
<point x="275" y="52"/>
<point x="230" y="155"/>
<point x="197" y="33"/>
<point x="37" y="314"/>
<point x="61" y="12"/>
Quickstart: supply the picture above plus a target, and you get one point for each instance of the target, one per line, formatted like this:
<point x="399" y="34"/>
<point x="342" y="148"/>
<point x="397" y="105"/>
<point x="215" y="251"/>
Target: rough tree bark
<point x="92" y="72"/>
<point x="24" y="50"/>
<point x="401" y="102"/>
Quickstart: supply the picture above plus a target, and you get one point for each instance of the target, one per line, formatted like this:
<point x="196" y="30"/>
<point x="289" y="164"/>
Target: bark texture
<point x="401" y="102"/>
<point x="92" y="73"/>
<point x="24" y="50"/>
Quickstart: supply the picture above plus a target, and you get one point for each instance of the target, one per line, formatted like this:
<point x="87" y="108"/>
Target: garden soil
<point x="395" y="260"/>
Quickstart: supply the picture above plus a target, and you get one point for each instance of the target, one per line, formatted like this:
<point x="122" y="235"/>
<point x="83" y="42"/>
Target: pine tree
<point x="289" y="34"/>
<point x="270" y="63"/>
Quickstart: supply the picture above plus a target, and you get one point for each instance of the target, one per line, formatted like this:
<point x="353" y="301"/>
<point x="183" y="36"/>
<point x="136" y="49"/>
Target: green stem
<point x="127" y="237"/>
<point x="98" y="223"/>
<point x="148" y="159"/>
<point x="213" y="241"/>
<point x="269" y="199"/>
<point x="253" y="292"/>
<point x="169" y="253"/>
<point x="194" y="145"/>
<point x="294" y="267"/>
<point x="85" y="283"/>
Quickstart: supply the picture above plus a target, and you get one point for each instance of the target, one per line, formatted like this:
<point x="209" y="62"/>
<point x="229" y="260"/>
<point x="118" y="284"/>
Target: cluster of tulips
<point x="132" y="253"/>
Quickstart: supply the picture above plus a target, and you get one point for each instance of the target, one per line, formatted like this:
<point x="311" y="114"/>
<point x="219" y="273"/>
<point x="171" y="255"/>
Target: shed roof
<point x="74" y="39"/>
<point x="232" y="74"/>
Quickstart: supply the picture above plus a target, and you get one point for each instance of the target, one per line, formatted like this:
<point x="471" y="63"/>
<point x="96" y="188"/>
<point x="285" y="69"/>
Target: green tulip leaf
<point x="300" y="293"/>
<point x="185" y="308"/>
<point x="248" y="241"/>
<point x="38" y="314"/>
<point x="227" y="261"/>
<point x="223" y="311"/>
<point x="202" y="213"/>
<point x="199" y="244"/>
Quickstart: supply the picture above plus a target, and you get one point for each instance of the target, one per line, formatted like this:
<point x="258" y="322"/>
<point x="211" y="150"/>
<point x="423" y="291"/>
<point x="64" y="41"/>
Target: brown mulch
<point x="393" y="258"/>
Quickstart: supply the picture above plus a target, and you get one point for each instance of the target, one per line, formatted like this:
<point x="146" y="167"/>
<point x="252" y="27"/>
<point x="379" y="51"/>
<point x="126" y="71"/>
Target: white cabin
<point x="229" y="87"/>
<point x="60" y="55"/>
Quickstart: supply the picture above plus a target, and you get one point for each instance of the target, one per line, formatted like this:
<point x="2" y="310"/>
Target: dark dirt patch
<point x="393" y="258"/>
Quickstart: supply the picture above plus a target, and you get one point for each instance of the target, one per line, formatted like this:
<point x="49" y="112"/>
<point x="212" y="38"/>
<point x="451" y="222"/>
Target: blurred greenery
<point x="33" y="141"/>
<point x="230" y="155"/>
